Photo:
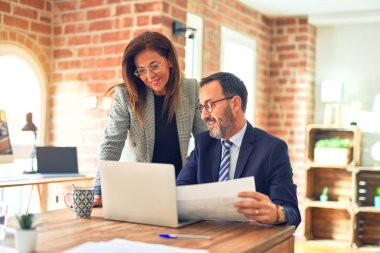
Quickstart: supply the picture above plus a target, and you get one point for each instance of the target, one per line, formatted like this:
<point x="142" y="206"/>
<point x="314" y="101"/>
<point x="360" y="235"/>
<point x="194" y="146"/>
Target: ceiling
<point x="321" y="12"/>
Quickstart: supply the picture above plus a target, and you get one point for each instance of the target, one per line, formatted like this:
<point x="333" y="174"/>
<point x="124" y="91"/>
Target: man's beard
<point x="224" y="126"/>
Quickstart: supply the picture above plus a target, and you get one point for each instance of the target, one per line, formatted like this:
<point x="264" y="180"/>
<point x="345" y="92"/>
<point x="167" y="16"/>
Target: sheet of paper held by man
<point x="213" y="201"/>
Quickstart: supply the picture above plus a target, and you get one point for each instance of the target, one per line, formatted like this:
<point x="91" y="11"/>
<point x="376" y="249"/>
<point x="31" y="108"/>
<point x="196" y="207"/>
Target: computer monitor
<point x="6" y="153"/>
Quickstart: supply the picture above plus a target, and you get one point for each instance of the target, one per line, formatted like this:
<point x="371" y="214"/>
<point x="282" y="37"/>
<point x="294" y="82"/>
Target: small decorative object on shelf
<point x="377" y="197"/>
<point x="26" y="236"/>
<point x="335" y="150"/>
<point x="324" y="196"/>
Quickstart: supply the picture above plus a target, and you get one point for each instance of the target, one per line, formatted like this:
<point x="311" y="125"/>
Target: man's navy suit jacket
<point x="261" y="155"/>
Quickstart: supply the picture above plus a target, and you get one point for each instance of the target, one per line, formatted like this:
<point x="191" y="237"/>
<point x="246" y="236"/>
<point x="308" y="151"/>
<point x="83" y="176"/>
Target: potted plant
<point x="377" y="197"/>
<point x="324" y="196"/>
<point x="26" y="235"/>
<point x="333" y="151"/>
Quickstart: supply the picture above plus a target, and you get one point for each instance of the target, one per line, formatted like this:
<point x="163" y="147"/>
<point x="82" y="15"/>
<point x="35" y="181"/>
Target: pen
<point x="175" y="236"/>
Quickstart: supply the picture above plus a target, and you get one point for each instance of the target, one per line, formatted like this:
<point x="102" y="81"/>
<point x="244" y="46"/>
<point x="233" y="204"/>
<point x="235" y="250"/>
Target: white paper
<point x="125" y="246"/>
<point x="213" y="201"/>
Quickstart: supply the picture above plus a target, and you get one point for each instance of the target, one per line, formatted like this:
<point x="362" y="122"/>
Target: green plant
<point x="333" y="142"/>
<point x="26" y="221"/>
<point x="377" y="191"/>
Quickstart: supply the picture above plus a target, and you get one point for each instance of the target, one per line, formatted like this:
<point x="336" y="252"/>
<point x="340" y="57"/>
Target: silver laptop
<point x="140" y="193"/>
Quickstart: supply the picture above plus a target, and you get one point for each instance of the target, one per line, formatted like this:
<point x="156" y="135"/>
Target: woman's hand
<point x="97" y="200"/>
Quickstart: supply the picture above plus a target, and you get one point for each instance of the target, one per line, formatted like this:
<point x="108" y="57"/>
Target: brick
<point x="40" y="4"/>
<point x="115" y="49"/>
<point x="45" y="41"/>
<point x="45" y="19"/>
<point x="103" y="75"/>
<point x="83" y="52"/>
<point x="66" y="65"/>
<point x="279" y="39"/>
<point x="5" y="7"/>
<point x="42" y="28"/>
<point x="73" y="17"/>
<point x="16" y="22"/>
<point x="143" y="20"/>
<point x="76" y="28"/>
<point x="62" y="53"/>
<point x="116" y="36"/>
<point x="98" y="13"/>
<point x="25" y="12"/>
<point x="289" y="56"/>
<point x="123" y="10"/>
<point x="66" y="6"/>
<point x="90" y="3"/>
<point x="285" y="48"/>
<point x="79" y="40"/>
<point x="146" y="7"/>
<point x="124" y="22"/>
<point x="57" y="30"/>
<point x="101" y="25"/>
<point x="287" y="21"/>
<point x="109" y="62"/>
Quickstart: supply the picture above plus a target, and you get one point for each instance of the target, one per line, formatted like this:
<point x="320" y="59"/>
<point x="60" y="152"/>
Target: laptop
<point x="57" y="161"/>
<point x="140" y="193"/>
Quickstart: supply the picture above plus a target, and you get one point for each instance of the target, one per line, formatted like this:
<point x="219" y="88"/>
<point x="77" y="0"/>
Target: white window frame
<point x="231" y="36"/>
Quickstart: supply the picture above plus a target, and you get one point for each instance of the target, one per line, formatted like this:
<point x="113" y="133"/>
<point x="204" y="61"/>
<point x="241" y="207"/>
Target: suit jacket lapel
<point x="149" y="122"/>
<point x="245" y="150"/>
<point x="183" y="127"/>
<point x="215" y="161"/>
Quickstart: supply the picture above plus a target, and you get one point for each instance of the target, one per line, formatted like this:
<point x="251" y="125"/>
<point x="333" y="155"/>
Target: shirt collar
<point x="238" y="137"/>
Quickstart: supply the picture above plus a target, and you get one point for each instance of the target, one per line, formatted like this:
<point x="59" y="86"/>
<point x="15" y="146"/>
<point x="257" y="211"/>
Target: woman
<point x="154" y="110"/>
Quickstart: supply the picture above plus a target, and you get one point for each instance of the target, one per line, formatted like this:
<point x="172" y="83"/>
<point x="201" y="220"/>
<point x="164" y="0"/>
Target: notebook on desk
<point x="57" y="161"/>
<point x="140" y="193"/>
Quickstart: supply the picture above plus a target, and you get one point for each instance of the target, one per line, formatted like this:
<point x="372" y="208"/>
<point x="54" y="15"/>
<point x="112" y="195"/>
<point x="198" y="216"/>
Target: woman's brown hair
<point x="135" y="87"/>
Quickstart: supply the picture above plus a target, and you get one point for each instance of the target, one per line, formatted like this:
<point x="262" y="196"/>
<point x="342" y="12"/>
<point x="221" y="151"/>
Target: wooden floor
<point x="307" y="248"/>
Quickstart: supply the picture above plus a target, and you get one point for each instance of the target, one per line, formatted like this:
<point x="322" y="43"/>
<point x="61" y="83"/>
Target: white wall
<point x="351" y="53"/>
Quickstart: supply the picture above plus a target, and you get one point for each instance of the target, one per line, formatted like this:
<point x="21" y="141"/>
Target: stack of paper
<point x="125" y="246"/>
<point x="213" y="201"/>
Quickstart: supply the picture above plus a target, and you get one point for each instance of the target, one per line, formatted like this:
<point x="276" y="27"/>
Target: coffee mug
<point x="82" y="201"/>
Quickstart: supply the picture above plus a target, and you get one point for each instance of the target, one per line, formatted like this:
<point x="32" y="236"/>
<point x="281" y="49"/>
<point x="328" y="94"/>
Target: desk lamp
<point x="331" y="94"/>
<point x="30" y="126"/>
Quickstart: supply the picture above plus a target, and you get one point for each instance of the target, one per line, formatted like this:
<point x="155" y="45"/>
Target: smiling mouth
<point x="210" y="121"/>
<point x="155" y="82"/>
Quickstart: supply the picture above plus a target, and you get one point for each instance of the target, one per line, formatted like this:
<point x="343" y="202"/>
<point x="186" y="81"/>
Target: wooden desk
<point x="42" y="183"/>
<point x="61" y="231"/>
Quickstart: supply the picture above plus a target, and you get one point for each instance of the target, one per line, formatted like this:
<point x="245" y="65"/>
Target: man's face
<point x="221" y="119"/>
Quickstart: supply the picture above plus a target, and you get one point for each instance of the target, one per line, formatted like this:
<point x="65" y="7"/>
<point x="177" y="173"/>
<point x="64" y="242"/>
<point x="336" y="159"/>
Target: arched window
<point x="22" y="90"/>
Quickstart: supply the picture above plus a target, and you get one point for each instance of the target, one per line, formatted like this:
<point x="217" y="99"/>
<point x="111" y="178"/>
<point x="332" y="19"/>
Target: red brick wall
<point x="89" y="41"/>
<point x="27" y="24"/>
<point x="240" y="18"/>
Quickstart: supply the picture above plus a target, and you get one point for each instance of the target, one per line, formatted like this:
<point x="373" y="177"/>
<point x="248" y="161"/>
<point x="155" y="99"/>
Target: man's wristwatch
<point x="281" y="217"/>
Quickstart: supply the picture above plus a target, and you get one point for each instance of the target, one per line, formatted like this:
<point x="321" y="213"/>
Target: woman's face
<point x="153" y="69"/>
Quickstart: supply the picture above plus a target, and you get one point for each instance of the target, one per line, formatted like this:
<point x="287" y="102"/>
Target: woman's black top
<point x="166" y="143"/>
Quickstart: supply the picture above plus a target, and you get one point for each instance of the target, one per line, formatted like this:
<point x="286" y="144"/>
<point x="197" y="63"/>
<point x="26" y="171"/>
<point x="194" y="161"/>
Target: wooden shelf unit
<point x="349" y="216"/>
<point x="317" y="132"/>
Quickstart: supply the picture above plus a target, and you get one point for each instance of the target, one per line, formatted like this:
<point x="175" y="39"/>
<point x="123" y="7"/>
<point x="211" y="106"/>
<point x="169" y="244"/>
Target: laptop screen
<point x="57" y="159"/>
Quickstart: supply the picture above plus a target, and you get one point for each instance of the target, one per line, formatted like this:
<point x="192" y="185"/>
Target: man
<point x="234" y="149"/>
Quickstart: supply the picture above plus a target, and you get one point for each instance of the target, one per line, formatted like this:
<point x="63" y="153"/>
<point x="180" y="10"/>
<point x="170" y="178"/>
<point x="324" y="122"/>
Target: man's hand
<point x="257" y="207"/>
<point x="97" y="200"/>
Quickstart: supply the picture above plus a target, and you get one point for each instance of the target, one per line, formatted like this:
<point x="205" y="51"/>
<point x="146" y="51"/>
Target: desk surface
<point x="61" y="230"/>
<point x="32" y="180"/>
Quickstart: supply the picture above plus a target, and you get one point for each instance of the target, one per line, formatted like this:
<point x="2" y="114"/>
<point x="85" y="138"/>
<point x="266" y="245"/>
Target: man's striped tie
<point x="225" y="163"/>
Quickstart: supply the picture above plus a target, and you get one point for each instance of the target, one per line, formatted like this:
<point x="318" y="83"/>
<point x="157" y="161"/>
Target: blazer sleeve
<point x="199" y="125"/>
<point x="116" y="132"/>
<point x="282" y="190"/>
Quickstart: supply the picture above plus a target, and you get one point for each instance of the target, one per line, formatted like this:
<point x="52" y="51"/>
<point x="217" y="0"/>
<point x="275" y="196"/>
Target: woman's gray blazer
<point x="124" y="131"/>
